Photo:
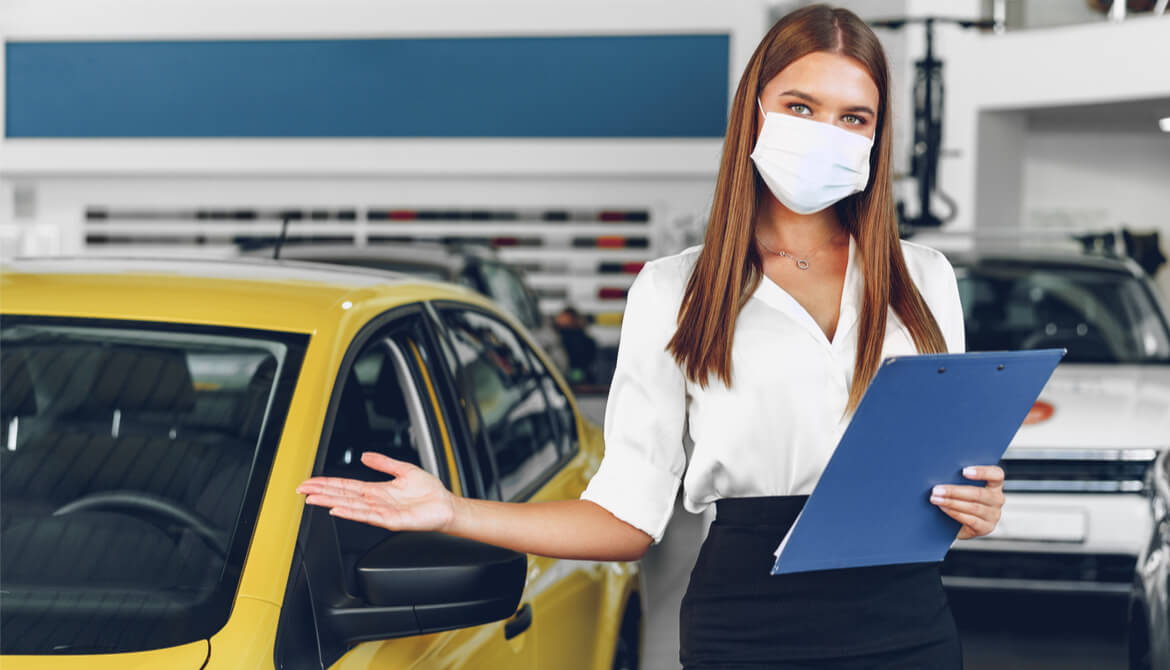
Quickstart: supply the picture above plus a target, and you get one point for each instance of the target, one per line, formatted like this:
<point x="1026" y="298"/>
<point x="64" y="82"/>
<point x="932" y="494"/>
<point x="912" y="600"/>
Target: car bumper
<point x="1069" y="543"/>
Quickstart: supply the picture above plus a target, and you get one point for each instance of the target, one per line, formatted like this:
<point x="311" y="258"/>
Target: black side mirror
<point x="414" y="583"/>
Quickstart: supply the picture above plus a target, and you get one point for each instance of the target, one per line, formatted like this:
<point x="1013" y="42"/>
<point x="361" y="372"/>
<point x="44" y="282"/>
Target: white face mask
<point x="809" y="165"/>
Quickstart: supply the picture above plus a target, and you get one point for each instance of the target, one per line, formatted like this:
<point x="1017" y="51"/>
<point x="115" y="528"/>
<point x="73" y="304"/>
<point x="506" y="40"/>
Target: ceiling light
<point x="1164" y="124"/>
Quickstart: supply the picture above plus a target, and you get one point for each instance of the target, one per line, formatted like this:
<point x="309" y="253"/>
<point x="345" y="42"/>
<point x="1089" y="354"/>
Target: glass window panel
<point x="127" y="455"/>
<point x="1100" y="317"/>
<point x="491" y="362"/>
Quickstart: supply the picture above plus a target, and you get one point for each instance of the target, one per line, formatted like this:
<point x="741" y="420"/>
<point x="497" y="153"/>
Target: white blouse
<point x="772" y="432"/>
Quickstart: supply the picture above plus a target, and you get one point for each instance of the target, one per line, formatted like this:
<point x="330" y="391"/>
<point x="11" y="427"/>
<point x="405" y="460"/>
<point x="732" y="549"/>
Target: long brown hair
<point x="729" y="267"/>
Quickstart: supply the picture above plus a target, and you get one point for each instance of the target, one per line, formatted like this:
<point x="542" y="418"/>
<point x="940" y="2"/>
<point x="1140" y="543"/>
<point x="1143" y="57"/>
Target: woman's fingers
<point x="354" y="487"/>
<point x="383" y="463"/>
<point x="328" y="490"/>
<point x="980" y="494"/>
<point x="358" y="509"/>
<point x="372" y="460"/>
<point x="978" y="508"/>
<point x="368" y="516"/>
<point x="992" y="474"/>
<point x="335" y="495"/>
<point x="331" y="485"/>
<point x="413" y="500"/>
<point x="326" y="500"/>
<point x="972" y="525"/>
<point x="988" y="512"/>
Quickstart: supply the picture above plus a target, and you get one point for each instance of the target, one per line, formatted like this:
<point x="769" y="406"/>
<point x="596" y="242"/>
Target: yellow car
<point x="158" y="415"/>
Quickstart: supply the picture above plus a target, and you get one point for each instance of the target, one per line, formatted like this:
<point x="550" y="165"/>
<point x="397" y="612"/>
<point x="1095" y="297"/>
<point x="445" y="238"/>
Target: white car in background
<point x="1078" y="514"/>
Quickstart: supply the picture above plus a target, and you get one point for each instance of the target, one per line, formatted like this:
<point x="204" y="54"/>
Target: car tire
<point x="627" y="650"/>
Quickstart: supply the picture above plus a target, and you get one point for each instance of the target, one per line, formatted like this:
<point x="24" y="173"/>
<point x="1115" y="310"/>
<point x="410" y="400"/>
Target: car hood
<point x="1102" y="406"/>
<point x="190" y="656"/>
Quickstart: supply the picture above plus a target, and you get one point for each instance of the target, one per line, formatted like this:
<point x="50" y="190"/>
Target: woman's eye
<point x="853" y="120"/>
<point x="799" y="108"/>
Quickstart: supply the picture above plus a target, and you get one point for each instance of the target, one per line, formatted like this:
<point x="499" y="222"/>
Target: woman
<point x="765" y="338"/>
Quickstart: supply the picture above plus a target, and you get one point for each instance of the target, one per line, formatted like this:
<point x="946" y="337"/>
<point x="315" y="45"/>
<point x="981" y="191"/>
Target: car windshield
<point x="1100" y="316"/>
<point x="131" y="460"/>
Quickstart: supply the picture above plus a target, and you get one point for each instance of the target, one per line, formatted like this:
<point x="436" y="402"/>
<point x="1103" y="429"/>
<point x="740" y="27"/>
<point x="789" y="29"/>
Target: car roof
<point x="246" y="292"/>
<point x="452" y="257"/>
<point x="1049" y="260"/>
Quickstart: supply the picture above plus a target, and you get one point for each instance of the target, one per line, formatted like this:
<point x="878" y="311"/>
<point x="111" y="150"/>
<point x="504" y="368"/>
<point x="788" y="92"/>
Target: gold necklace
<point x="801" y="263"/>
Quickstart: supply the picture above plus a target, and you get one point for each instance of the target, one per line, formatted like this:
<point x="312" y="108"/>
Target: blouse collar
<point x="776" y="297"/>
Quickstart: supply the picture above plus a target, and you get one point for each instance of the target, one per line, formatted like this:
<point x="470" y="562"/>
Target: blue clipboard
<point x="922" y="419"/>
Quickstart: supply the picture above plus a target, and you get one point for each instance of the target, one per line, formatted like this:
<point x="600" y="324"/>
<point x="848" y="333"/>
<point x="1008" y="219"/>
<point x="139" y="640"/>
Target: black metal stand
<point x="928" y="115"/>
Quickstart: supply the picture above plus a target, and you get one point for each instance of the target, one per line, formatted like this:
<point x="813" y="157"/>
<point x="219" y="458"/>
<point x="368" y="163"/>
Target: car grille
<point x="1019" y="568"/>
<point x="1103" y="471"/>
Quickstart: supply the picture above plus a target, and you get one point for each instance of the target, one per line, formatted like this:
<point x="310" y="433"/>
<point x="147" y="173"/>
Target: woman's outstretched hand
<point x="414" y="500"/>
<point x="978" y="508"/>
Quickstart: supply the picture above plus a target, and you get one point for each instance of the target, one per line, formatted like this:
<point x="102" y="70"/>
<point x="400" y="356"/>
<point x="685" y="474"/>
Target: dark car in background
<point x="470" y="265"/>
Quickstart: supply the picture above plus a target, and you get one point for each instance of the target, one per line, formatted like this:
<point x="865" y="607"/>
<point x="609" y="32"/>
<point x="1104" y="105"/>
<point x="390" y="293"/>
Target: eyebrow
<point x="805" y="96"/>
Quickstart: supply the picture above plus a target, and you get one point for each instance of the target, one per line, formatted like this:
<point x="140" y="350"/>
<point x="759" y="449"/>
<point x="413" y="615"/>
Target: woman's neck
<point x="783" y="228"/>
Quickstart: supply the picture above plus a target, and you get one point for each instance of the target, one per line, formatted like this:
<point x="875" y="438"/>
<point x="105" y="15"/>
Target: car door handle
<point x="519" y="622"/>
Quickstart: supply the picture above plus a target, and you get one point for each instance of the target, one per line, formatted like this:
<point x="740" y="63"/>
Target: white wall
<point x="1092" y="63"/>
<point x="999" y="173"/>
<point x="1102" y="179"/>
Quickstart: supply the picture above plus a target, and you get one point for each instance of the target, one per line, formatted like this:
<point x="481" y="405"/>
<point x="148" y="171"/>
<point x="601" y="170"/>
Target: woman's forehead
<point x="829" y="77"/>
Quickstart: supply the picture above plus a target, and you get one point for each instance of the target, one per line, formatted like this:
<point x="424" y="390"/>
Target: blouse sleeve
<point x="951" y="320"/>
<point x="645" y="414"/>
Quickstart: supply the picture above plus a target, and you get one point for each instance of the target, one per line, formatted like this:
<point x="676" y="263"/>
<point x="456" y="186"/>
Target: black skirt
<point x="736" y="614"/>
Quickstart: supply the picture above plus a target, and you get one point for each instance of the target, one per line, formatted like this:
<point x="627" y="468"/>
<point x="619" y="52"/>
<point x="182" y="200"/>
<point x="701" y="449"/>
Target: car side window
<point x="379" y="410"/>
<point x="560" y="409"/>
<point x="491" y="365"/>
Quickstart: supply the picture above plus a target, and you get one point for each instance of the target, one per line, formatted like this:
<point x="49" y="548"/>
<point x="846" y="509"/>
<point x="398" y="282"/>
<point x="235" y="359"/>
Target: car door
<point x="520" y="433"/>
<point x="384" y="401"/>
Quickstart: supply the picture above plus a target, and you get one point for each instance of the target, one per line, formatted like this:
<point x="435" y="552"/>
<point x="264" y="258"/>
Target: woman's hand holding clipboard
<point x="923" y="419"/>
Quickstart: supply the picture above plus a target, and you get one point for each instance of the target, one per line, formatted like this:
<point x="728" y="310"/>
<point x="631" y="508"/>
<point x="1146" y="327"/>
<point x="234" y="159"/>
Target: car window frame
<point x="378" y="328"/>
<point x="381" y="326"/>
<point x="461" y="438"/>
<point x="464" y="445"/>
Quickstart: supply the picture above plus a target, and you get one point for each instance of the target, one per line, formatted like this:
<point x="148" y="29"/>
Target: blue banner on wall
<point x="592" y="86"/>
